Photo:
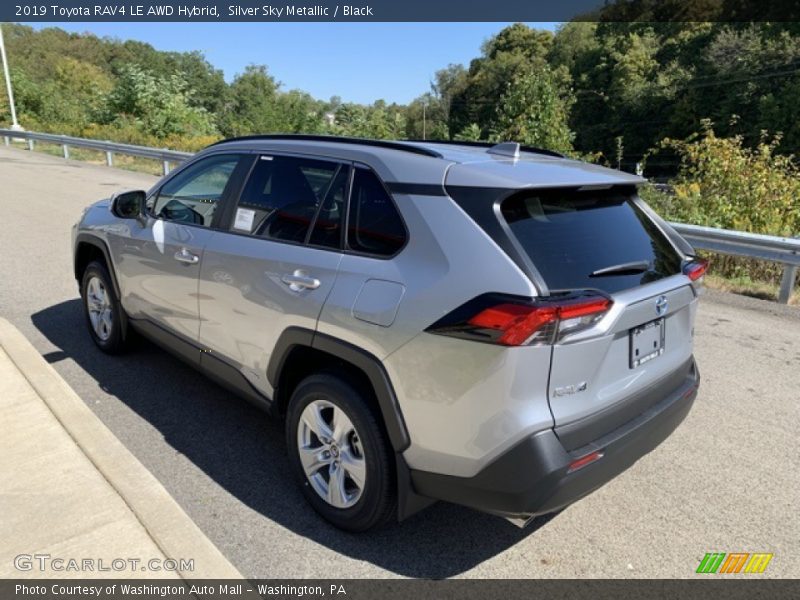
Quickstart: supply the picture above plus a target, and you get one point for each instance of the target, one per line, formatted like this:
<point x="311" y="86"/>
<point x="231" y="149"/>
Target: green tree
<point x="428" y="116"/>
<point x="298" y="112"/>
<point x="386" y="121"/>
<point x="158" y="105"/>
<point x="351" y="120"/>
<point x="471" y="133"/>
<point x="534" y="111"/>
<point x="515" y="49"/>
<point x="251" y="105"/>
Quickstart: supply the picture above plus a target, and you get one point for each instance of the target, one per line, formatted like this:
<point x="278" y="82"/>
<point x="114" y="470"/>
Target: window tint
<point x="374" y="225"/>
<point x="284" y="194"/>
<point x="193" y="194"/>
<point x="570" y="236"/>
<point x="327" y="230"/>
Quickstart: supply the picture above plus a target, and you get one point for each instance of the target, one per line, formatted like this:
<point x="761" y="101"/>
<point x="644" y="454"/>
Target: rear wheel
<point x="340" y="454"/>
<point x="102" y="309"/>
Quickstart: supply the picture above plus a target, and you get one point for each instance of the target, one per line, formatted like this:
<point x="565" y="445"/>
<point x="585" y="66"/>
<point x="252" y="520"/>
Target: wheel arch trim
<point x="98" y="243"/>
<point x="294" y="337"/>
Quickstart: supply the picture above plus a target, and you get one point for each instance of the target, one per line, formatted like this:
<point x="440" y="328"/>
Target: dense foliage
<point x="723" y="183"/>
<point x="128" y="91"/>
<point x="614" y="88"/>
<point x="621" y="93"/>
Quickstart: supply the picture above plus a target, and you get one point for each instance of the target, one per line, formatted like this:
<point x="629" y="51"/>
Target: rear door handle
<point x="184" y="256"/>
<point x="299" y="281"/>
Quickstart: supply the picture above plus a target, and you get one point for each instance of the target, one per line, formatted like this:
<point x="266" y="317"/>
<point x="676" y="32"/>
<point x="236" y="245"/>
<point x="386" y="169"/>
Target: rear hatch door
<point x="641" y="350"/>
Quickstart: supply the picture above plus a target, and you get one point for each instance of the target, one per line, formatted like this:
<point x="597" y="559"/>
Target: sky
<point x="360" y="62"/>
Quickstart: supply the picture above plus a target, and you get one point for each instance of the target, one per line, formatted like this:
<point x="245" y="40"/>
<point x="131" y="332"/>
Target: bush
<point x="722" y="183"/>
<point x="156" y="105"/>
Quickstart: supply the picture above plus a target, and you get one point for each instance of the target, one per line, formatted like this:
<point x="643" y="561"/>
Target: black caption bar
<point x="701" y="588"/>
<point x="401" y="10"/>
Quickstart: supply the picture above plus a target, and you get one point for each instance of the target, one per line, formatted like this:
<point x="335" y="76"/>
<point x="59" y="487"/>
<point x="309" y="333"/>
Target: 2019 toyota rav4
<point x="495" y="326"/>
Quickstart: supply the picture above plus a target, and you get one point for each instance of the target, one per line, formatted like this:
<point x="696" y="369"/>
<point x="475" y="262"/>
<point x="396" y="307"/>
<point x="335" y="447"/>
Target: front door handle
<point x="299" y="280"/>
<point x="184" y="256"/>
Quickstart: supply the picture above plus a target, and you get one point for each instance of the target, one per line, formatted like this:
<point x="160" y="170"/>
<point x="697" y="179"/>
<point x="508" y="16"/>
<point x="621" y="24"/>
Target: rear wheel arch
<point x="300" y="352"/>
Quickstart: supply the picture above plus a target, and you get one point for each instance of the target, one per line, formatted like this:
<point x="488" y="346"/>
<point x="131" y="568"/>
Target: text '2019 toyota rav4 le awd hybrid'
<point x="494" y="326"/>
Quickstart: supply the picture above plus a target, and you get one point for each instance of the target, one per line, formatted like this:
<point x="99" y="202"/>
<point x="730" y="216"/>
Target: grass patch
<point x="747" y="287"/>
<point x="98" y="157"/>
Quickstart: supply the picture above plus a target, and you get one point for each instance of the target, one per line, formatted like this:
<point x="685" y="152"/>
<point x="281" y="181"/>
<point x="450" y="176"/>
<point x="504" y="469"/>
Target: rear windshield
<point x="589" y="239"/>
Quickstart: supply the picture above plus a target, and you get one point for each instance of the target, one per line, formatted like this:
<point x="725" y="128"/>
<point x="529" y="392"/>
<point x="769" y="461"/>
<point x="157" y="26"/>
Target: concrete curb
<point x="168" y="525"/>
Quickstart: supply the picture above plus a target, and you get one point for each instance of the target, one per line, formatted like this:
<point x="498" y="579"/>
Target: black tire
<point x="116" y="341"/>
<point x="377" y="503"/>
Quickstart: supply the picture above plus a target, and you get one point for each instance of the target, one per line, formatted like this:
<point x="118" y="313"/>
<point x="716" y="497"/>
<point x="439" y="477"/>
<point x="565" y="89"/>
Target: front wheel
<point x="339" y="453"/>
<point x="102" y="309"/>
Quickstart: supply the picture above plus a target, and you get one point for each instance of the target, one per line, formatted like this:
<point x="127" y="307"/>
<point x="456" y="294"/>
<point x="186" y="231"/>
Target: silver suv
<point x="495" y="326"/>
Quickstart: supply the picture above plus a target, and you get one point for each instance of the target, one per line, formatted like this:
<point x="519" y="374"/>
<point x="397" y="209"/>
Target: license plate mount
<point x="646" y="342"/>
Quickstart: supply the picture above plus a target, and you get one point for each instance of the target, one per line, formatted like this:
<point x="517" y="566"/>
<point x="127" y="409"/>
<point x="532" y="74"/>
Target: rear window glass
<point x="589" y="239"/>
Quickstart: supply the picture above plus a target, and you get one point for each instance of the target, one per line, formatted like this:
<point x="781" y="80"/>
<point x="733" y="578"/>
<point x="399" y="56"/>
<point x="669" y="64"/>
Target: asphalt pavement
<point x="728" y="480"/>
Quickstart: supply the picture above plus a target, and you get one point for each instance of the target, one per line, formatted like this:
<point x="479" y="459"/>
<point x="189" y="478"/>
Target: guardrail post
<point x="7" y="140"/>
<point x="66" y="151"/>
<point x="787" y="283"/>
<point x="166" y="167"/>
<point x="109" y="158"/>
<point x="30" y="144"/>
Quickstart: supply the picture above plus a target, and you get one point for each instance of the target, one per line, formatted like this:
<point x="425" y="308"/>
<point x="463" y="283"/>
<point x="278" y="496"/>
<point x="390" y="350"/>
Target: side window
<point x="193" y="194"/>
<point x="327" y="230"/>
<point x="284" y="195"/>
<point x="374" y="225"/>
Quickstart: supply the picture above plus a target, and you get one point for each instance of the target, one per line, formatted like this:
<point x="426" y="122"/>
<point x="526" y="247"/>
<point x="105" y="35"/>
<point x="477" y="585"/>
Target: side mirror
<point x="128" y="205"/>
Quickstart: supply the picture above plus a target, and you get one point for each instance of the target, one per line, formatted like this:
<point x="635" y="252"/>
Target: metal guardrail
<point x="765" y="247"/>
<point x="753" y="245"/>
<point x="167" y="157"/>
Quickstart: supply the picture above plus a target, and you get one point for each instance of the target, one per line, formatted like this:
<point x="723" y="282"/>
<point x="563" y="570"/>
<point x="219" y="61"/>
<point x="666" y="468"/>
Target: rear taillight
<point x="695" y="269"/>
<point x="522" y="322"/>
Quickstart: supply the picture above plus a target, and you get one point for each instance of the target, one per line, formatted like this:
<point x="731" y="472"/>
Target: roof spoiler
<point x="490" y="145"/>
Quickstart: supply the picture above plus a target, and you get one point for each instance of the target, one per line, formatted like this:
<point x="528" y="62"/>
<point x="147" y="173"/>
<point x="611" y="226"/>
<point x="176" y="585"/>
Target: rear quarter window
<point x="571" y="235"/>
<point x="374" y="224"/>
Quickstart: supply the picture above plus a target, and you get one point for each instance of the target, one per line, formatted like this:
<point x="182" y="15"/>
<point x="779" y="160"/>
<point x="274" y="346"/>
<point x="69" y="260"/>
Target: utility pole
<point x="15" y="126"/>
<point x="424" y="122"/>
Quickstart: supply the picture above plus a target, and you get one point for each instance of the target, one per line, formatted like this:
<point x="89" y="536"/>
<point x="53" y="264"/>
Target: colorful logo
<point x="734" y="562"/>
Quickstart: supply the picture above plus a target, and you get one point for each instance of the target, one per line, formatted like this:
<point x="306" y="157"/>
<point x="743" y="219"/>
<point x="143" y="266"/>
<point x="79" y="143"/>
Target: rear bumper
<point x="532" y="477"/>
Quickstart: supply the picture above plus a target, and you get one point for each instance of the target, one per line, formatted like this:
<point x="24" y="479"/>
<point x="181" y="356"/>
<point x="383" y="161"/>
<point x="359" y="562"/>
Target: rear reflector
<point x="584" y="460"/>
<point x="696" y="269"/>
<point x="519" y="321"/>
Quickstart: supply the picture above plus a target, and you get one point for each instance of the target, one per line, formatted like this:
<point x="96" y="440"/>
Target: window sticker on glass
<point x="244" y="219"/>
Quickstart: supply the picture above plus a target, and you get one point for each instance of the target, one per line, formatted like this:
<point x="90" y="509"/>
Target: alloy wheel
<point x="98" y="304"/>
<point x="331" y="454"/>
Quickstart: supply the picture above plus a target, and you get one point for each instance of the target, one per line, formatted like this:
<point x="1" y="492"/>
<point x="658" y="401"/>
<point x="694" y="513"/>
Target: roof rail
<point x="490" y="145"/>
<point x="392" y="145"/>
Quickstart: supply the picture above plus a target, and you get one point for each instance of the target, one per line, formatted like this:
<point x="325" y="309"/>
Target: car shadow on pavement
<point x="243" y="451"/>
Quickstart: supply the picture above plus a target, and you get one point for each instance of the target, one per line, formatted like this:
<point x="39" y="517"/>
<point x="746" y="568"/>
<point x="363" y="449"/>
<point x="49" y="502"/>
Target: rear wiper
<point x="630" y="268"/>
